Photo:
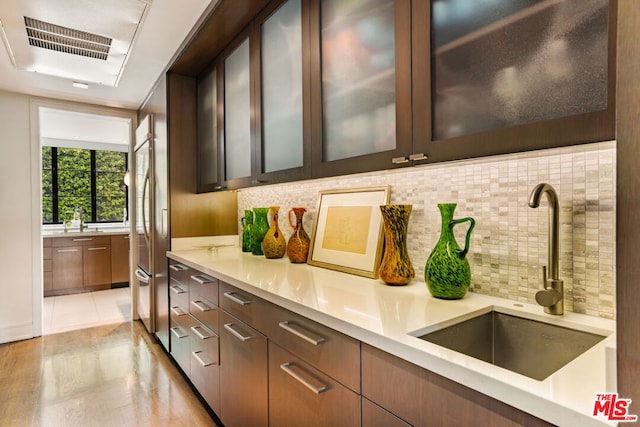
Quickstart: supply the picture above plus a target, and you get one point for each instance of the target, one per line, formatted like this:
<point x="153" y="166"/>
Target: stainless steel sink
<point x="521" y="345"/>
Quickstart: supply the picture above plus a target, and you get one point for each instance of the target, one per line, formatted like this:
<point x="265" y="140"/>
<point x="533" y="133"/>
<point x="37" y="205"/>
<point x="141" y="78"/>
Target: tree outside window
<point x="80" y="179"/>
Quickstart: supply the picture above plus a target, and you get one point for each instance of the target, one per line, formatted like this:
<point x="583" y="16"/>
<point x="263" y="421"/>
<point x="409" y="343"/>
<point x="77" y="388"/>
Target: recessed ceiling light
<point x="80" y="85"/>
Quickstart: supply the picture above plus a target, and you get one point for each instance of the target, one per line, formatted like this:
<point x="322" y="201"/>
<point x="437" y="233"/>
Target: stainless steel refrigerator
<point x="144" y="222"/>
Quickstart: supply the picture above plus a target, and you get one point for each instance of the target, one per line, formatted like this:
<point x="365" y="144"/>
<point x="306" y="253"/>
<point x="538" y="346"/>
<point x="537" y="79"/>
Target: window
<point x="87" y="180"/>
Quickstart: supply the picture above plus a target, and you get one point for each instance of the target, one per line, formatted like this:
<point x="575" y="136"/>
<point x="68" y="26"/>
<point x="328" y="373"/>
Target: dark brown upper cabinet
<point x="253" y="102"/>
<point x="512" y="76"/>
<point x="361" y="85"/>
<point x="314" y="88"/>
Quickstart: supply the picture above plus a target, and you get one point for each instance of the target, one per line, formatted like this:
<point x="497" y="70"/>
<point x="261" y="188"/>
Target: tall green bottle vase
<point x="247" y="223"/>
<point x="447" y="272"/>
<point x="259" y="229"/>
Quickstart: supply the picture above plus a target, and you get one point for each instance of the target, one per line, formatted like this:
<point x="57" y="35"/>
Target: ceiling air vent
<point x="67" y="40"/>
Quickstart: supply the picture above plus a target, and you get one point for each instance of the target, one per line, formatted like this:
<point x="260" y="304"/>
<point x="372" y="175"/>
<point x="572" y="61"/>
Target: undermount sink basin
<point x="528" y="347"/>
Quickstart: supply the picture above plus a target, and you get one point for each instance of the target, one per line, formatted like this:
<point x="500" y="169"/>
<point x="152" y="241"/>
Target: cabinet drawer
<point x="47" y="265"/>
<point x="243" y="374"/>
<point x="46" y="242"/>
<point x="205" y="364"/>
<point x="205" y="311"/>
<point x="424" y="398"/>
<point x="181" y="342"/>
<point x="203" y="286"/>
<point x="46" y="252"/>
<point x="330" y="351"/>
<point x="302" y="395"/>
<point x="180" y="272"/>
<point x="375" y="416"/>
<point x="178" y="295"/>
<point x="60" y="242"/>
<point x="243" y="305"/>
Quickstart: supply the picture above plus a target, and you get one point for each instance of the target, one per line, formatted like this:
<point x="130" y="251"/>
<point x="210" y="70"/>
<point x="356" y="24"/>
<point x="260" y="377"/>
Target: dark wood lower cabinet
<point x="423" y="398"/>
<point x="301" y="395"/>
<point x="243" y="374"/>
<point x="96" y="261"/>
<point x="375" y="416"/>
<point x="67" y="267"/>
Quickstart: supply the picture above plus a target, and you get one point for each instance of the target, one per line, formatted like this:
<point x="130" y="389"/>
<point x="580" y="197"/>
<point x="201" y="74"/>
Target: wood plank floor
<point x="104" y="376"/>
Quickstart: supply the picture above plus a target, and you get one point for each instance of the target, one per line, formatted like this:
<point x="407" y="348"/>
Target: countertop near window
<point x="383" y="316"/>
<point x="91" y="230"/>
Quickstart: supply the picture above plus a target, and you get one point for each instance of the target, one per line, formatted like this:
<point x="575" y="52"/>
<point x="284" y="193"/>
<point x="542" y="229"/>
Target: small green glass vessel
<point x="247" y="223"/>
<point x="259" y="229"/>
<point x="447" y="272"/>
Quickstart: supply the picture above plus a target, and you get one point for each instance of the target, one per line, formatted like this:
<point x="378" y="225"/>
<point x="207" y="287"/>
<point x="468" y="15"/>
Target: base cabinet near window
<point x="402" y="392"/>
<point x="82" y="263"/>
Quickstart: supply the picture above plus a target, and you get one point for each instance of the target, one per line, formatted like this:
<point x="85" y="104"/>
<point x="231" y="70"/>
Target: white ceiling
<point x="164" y="27"/>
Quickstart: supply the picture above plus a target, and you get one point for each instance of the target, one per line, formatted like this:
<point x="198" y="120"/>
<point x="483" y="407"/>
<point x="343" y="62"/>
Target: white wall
<point x="16" y="234"/>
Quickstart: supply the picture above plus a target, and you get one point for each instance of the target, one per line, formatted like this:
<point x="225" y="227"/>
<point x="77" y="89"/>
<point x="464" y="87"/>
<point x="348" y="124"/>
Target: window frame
<point x="55" y="214"/>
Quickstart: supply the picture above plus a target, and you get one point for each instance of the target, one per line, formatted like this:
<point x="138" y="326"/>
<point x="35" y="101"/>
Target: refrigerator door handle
<point x="144" y="205"/>
<point x="142" y="276"/>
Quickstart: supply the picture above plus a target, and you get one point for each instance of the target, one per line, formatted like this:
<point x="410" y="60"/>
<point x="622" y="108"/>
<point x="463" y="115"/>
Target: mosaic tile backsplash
<point x="509" y="243"/>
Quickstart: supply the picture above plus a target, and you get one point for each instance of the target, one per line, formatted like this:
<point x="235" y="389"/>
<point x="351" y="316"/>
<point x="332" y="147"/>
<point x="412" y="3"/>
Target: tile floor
<point x="78" y="311"/>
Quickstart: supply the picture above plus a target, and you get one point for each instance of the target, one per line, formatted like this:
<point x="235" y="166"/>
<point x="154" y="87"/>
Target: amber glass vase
<point x="396" y="268"/>
<point x="274" y="244"/>
<point x="298" y="245"/>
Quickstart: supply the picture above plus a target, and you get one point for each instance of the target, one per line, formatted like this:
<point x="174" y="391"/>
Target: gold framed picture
<point x="347" y="230"/>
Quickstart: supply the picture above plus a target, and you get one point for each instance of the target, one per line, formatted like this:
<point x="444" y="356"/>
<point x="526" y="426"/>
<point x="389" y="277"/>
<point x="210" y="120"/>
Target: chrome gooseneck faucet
<point x="551" y="297"/>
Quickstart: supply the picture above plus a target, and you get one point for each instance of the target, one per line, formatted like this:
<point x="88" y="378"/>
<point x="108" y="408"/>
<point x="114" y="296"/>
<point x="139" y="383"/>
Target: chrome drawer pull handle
<point x="285" y="325"/>
<point x="196" y="354"/>
<point x="67" y="250"/>
<point x="417" y="156"/>
<point x="201" y="306"/>
<point x="232" y="297"/>
<point x="200" y="335"/>
<point x="229" y="327"/>
<point x="317" y="390"/>
<point x="87" y="239"/>
<point x="177" y="289"/>
<point x="399" y="160"/>
<point x="178" y="267"/>
<point x="101" y="248"/>
<point x="178" y="332"/>
<point x="178" y="311"/>
<point x="202" y="279"/>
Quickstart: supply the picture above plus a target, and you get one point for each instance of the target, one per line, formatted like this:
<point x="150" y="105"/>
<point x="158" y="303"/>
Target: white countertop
<point x="383" y="316"/>
<point x="89" y="231"/>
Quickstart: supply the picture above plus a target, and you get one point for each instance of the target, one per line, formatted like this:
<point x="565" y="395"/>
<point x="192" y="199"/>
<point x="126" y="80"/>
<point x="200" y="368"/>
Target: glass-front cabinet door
<point x="362" y="85"/>
<point x="207" y="98"/>
<point x="515" y="75"/>
<point x="237" y="152"/>
<point x="281" y="150"/>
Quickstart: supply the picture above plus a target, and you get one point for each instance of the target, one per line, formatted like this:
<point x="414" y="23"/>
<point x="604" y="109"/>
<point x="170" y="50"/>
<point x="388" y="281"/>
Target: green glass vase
<point x="259" y="229"/>
<point x="247" y="223"/>
<point x="396" y="268"/>
<point x="447" y="272"/>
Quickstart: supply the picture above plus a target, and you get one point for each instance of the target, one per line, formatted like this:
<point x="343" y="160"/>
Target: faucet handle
<point x="548" y="297"/>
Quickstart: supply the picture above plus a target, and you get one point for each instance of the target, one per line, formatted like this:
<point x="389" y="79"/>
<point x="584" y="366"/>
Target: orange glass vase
<point x="298" y="245"/>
